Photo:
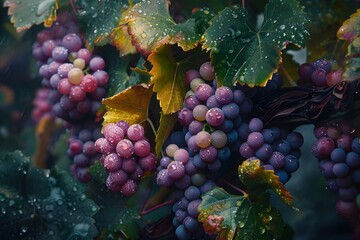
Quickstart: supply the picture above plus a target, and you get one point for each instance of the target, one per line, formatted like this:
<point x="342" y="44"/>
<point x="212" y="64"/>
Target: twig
<point x="144" y="212"/>
<point x="288" y="77"/>
<point x="236" y="188"/>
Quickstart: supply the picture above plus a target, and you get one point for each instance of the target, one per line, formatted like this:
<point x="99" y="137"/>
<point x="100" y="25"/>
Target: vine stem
<point x="144" y="212"/>
<point x="243" y="4"/>
<point x="288" y="77"/>
<point x="154" y="131"/>
<point x="236" y="188"/>
<point x="73" y="6"/>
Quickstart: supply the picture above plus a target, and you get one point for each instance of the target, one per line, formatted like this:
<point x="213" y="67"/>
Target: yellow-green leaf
<point x="167" y="123"/>
<point x="257" y="180"/>
<point x="150" y="26"/>
<point x="130" y="105"/>
<point x="350" y="28"/>
<point x="168" y="79"/>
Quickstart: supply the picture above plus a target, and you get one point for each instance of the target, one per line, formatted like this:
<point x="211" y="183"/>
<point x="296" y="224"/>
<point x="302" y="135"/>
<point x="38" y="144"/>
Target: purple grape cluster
<point x="41" y="105"/>
<point x="277" y="149"/>
<point x="126" y="156"/>
<point x="81" y="149"/>
<point x="319" y="74"/>
<point x="76" y="79"/>
<point x="338" y="152"/>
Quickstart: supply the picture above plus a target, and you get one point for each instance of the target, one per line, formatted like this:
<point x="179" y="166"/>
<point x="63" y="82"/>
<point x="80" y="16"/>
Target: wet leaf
<point x="130" y="105"/>
<point x="236" y="217"/>
<point x="168" y="79"/>
<point x="167" y="123"/>
<point x="25" y="13"/>
<point x="257" y="180"/>
<point x="99" y="18"/>
<point x="242" y="54"/>
<point x="98" y="173"/>
<point x="350" y="28"/>
<point x="120" y="37"/>
<point x="150" y="25"/>
<point x="39" y="205"/>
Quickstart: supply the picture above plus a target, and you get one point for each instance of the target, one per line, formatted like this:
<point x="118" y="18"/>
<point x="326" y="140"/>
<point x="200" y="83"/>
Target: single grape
<point x="207" y="72"/>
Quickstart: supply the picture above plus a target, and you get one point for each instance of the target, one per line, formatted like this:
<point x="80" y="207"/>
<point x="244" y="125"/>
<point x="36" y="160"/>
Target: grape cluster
<point x="277" y="149"/>
<point x="76" y="79"/>
<point x="338" y="152"/>
<point x="319" y="74"/>
<point x="81" y="149"/>
<point x="217" y="126"/>
<point x="126" y="156"/>
<point x="41" y="105"/>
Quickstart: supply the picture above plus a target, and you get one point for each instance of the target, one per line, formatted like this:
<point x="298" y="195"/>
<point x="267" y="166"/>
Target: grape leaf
<point x="98" y="173"/>
<point x="99" y="18"/>
<point x="39" y="206"/>
<point x="167" y="123"/>
<point x="257" y="180"/>
<point x="236" y="217"/>
<point x="242" y="54"/>
<point x="168" y="79"/>
<point x="350" y="29"/>
<point x="150" y="25"/>
<point x="169" y="67"/>
<point x="25" y="13"/>
<point x="120" y="37"/>
<point x="130" y="105"/>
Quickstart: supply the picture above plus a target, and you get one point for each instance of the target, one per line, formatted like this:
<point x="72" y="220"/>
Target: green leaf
<point x="168" y="74"/>
<point x="98" y="173"/>
<point x="26" y="13"/>
<point x="236" y="217"/>
<point x="150" y="26"/>
<point x="99" y="18"/>
<point x="257" y="180"/>
<point x="242" y="54"/>
<point x="167" y="123"/>
<point x="130" y="105"/>
<point x="39" y="206"/>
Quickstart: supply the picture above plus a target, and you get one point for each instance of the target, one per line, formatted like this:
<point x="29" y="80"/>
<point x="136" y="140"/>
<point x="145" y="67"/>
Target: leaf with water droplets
<point x="29" y="198"/>
<point x="168" y="74"/>
<point x="167" y="123"/>
<point x="25" y="13"/>
<point x="242" y="54"/>
<point x="99" y="18"/>
<point x="130" y="105"/>
<point x="150" y="26"/>
<point x="238" y="217"/>
<point x="350" y="29"/>
<point x="258" y="180"/>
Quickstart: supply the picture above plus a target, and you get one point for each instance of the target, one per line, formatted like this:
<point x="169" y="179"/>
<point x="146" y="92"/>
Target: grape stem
<point x="243" y="4"/>
<point x="154" y="131"/>
<point x="73" y="7"/>
<point x="236" y="188"/>
<point x="144" y="212"/>
<point x="288" y="77"/>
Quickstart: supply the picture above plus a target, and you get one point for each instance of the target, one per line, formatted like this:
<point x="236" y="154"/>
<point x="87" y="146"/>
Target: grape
<point x="231" y="110"/>
<point x="208" y="154"/>
<point x="283" y="146"/>
<point x="66" y="103"/>
<point x="182" y="233"/>
<point x="211" y="102"/>
<point x="218" y="139"/>
<point x="215" y="117"/>
<point x="101" y="77"/>
<point x="199" y="112"/>
<point x="206" y="71"/>
<point x="185" y="116"/>
<point x="322" y="64"/>
<point x="171" y="149"/>
<point x="129" y="187"/>
<point x="264" y="152"/>
<point x="203" y="91"/>
<point x="324" y="146"/>
<point x="81" y="160"/>
<point x="191" y="224"/>
<point x="283" y="175"/>
<point x="338" y="155"/>
<point x="224" y="95"/>
<point x="255" y="140"/>
<point x="193" y="208"/>
<point x="191" y="102"/>
<point x="60" y="54"/>
<point x="198" y="179"/>
<point x="345" y="142"/>
<point x="255" y="125"/>
<point x="79" y="63"/>
<point x="195" y="82"/>
<point x="163" y="178"/>
<point x="75" y="76"/>
<point x="72" y="42"/>
<point x="77" y="94"/>
<point x="135" y="132"/>
<point x="305" y="71"/>
<point x="195" y="127"/>
<point x="84" y="54"/>
<point x="246" y="150"/>
<point x="64" y="86"/>
<point x="142" y="148"/>
<point x="176" y="170"/>
<point x="190" y="75"/>
<point x="124" y="148"/>
<point x="97" y="63"/>
<point x="295" y="139"/>
<point x="183" y="182"/>
<point x="341" y="169"/>
<point x="277" y="160"/>
<point x="352" y="159"/>
<point x="112" y="162"/>
<point x="203" y="139"/>
<point x="291" y="163"/>
<point x="198" y="162"/>
<point x="192" y="193"/>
